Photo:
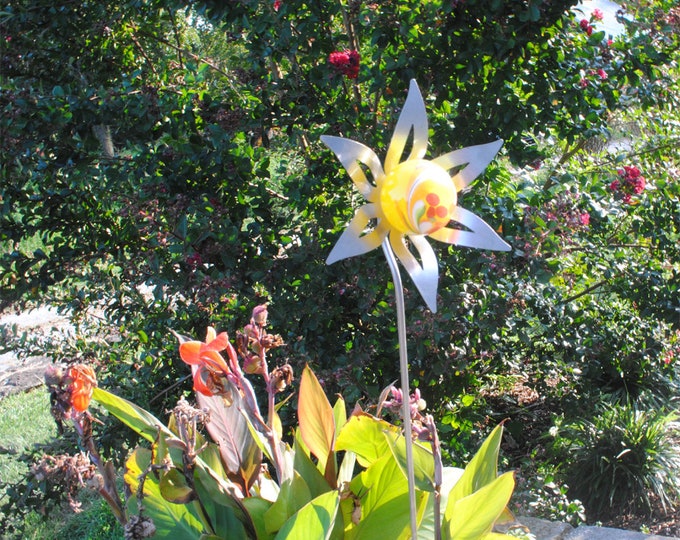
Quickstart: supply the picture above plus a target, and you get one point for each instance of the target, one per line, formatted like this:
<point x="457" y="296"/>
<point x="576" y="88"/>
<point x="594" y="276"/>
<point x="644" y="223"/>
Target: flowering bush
<point x="170" y="172"/>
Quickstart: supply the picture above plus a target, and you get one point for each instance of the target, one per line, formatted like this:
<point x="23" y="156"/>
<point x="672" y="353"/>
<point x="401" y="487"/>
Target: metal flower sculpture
<point x="409" y="200"/>
<point x="413" y="198"/>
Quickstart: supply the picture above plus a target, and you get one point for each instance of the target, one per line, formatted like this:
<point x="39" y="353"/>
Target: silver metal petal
<point x="351" y="153"/>
<point x="480" y="235"/>
<point x="477" y="158"/>
<point x="412" y="117"/>
<point x="353" y="241"/>
<point x="425" y="276"/>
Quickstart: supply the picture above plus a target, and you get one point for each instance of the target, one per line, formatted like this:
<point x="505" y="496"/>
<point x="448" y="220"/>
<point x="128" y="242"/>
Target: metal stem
<point x="406" y="393"/>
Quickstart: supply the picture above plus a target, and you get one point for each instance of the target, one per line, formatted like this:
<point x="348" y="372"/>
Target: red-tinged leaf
<point x="229" y="429"/>
<point x="316" y="418"/>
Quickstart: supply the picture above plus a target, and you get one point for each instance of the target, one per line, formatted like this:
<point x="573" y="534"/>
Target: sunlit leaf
<point x="304" y="466"/>
<point x="473" y="517"/>
<point x="136" y="418"/>
<point x="382" y="493"/>
<point x="426" y="527"/>
<point x="481" y="470"/>
<point x="223" y="505"/>
<point x="423" y="461"/>
<point x="173" y="521"/>
<point x="257" y="508"/>
<point x="294" y="495"/>
<point x="316" y="418"/>
<point x="314" y="520"/>
<point x="174" y="488"/>
<point x="363" y="434"/>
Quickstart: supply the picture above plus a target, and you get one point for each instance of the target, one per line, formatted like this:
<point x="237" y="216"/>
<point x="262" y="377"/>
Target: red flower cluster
<point x="629" y="182"/>
<point x="346" y="62"/>
<point x="585" y="25"/>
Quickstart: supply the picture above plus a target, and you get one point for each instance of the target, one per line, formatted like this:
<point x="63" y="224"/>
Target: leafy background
<point x="162" y="169"/>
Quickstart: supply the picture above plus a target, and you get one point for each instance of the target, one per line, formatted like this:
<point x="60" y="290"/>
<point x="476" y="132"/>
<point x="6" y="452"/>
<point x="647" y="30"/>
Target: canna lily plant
<point x="333" y="477"/>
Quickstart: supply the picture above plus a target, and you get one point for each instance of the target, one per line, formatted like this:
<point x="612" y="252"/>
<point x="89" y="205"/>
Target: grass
<point x="26" y="425"/>
<point x="25" y="421"/>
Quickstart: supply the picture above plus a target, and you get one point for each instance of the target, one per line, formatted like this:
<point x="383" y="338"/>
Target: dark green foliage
<point x="161" y="167"/>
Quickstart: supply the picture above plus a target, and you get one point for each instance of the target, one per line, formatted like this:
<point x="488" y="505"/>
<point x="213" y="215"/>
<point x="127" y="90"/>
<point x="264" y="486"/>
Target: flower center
<point x="417" y="197"/>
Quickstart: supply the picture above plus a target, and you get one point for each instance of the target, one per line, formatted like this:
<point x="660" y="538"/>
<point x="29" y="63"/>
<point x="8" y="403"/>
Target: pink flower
<point x="583" y="83"/>
<point x="597" y="15"/>
<point x="630" y="171"/>
<point x="602" y="73"/>
<point x="589" y="30"/>
<point x="584" y="24"/>
<point x="630" y="182"/>
<point x="346" y="62"/>
<point x="584" y="218"/>
<point x="277" y="5"/>
<point x="638" y="185"/>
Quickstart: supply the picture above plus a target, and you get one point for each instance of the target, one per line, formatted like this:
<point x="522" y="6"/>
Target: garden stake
<point x="406" y="393"/>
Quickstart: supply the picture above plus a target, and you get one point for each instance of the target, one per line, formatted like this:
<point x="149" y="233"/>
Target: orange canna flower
<point x="83" y="380"/>
<point x="207" y="360"/>
<point x="197" y="353"/>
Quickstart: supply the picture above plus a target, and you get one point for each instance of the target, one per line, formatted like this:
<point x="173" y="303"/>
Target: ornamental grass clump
<point x="625" y="459"/>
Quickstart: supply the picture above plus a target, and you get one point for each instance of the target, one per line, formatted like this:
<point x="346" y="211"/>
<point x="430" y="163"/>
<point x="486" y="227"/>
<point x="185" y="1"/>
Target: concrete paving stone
<point x="543" y="529"/>
<point x="605" y="533"/>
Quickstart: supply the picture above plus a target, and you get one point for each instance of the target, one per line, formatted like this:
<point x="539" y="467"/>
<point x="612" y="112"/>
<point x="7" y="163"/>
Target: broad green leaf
<point x="450" y="475"/>
<point x="173" y="521"/>
<point x="473" y="516"/>
<point x="423" y="461"/>
<point x="316" y="418"/>
<point x="363" y="434"/>
<point x="314" y="520"/>
<point x="174" y="488"/>
<point x="294" y="495"/>
<point x="482" y="469"/>
<point x="136" y="418"/>
<point x="339" y="414"/>
<point x="306" y="468"/>
<point x="211" y="456"/>
<point x="347" y="467"/>
<point x="257" y="508"/>
<point x="223" y="505"/>
<point x="382" y="492"/>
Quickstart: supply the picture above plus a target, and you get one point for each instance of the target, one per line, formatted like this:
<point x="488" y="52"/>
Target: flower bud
<point x="260" y="315"/>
